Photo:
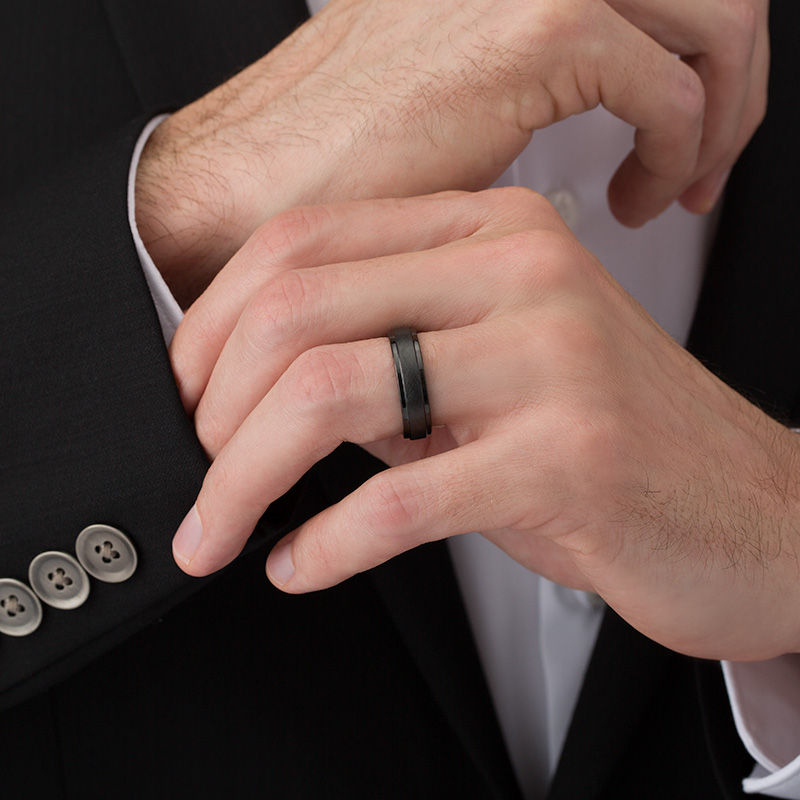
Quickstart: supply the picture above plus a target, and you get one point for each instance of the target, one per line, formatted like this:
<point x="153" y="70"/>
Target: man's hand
<point x="570" y="429"/>
<point x="371" y="98"/>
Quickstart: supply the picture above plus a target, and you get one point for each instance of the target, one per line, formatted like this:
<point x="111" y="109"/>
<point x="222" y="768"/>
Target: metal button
<point x="20" y="609"/>
<point x="566" y="203"/>
<point x="106" y="553"/>
<point x="59" y="580"/>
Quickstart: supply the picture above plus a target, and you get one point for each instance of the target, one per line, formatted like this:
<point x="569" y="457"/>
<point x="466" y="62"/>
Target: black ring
<point x="411" y="379"/>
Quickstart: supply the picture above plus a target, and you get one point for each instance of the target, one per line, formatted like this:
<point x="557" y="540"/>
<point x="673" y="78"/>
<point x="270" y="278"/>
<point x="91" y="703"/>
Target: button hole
<point x="59" y="578"/>
<point x="12" y="605"/>
<point x="106" y="552"/>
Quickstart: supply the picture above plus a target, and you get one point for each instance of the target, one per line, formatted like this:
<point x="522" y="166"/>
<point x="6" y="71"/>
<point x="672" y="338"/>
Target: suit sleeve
<point x="93" y="430"/>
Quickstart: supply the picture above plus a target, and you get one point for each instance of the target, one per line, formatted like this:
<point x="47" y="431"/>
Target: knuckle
<point x="391" y="508"/>
<point x="522" y="206"/>
<point x="317" y="555"/>
<point x="595" y="442"/>
<point x="738" y="22"/>
<point x="536" y="261"/>
<point x="209" y="429"/>
<point x="285" y="236"/>
<point x="194" y="339"/>
<point x="522" y="197"/>
<point x="219" y="483"/>
<point x="690" y="93"/>
<point x="519" y="246"/>
<point x="279" y="311"/>
<point x="562" y="21"/>
<point x="519" y="257"/>
<point x="575" y="346"/>
<point x="320" y="380"/>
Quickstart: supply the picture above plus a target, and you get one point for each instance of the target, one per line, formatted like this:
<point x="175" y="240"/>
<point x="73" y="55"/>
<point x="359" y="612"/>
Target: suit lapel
<point x="746" y="325"/>
<point x="176" y="51"/>
<point x="624" y="670"/>
<point x="421" y="595"/>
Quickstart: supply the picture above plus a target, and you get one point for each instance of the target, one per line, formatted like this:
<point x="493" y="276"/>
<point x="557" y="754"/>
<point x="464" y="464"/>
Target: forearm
<point x="277" y="135"/>
<point x="363" y="103"/>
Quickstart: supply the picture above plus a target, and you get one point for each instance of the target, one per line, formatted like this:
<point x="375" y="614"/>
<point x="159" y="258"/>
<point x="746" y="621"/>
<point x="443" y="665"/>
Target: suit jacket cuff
<point x="94" y="430"/>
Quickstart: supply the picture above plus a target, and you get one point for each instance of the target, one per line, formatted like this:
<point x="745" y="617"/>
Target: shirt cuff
<point x="765" y="700"/>
<point x="167" y="308"/>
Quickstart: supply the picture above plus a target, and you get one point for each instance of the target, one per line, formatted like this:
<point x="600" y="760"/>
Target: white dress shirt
<point x="534" y="637"/>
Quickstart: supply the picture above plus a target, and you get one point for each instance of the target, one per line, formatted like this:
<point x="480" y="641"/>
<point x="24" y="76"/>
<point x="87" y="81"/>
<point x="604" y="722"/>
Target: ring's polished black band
<point x="411" y="379"/>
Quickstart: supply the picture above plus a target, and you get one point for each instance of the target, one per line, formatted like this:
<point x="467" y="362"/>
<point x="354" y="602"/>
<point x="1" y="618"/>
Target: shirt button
<point x="59" y="580"/>
<point x="106" y="553"/>
<point x="20" y="609"/>
<point x="566" y="203"/>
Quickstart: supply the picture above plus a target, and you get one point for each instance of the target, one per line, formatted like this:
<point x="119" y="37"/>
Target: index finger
<point x="308" y="237"/>
<point x="664" y="99"/>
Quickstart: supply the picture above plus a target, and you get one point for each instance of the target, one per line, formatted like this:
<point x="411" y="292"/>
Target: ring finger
<point x="331" y="394"/>
<point x="448" y="287"/>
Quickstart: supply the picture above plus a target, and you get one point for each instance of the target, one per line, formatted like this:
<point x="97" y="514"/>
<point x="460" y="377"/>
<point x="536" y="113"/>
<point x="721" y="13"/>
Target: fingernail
<point x="188" y="537"/>
<point x="280" y="566"/>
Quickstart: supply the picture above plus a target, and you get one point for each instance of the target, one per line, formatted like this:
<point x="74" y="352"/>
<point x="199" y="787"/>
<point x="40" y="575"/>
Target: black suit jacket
<point x="168" y="687"/>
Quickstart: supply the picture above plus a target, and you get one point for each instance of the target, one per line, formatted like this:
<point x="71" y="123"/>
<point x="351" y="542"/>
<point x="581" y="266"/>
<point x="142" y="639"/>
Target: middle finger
<point x="448" y="287"/>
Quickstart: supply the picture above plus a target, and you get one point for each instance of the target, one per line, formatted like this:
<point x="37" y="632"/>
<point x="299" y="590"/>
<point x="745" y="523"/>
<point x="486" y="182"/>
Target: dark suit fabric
<point x="166" y="687"/>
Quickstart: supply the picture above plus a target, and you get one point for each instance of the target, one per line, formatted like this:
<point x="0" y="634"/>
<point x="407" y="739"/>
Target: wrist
<point x="791" y="492"/>
<point x="181" y="210"/>
<point x="780" y="563"/>
<point x="749" y="531"/>
<point x="206" y="181"/>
